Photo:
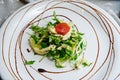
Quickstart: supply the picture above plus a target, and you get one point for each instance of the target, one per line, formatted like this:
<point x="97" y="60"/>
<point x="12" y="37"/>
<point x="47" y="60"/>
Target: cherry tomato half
<point x="62" y="28"/>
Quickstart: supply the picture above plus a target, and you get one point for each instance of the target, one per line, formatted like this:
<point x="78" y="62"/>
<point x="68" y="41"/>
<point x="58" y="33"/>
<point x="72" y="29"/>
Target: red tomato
<point x="62" y="28"/>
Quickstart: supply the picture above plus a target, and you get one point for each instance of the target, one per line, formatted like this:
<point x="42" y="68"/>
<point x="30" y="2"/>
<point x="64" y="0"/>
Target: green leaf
<point x="55" y="18"/>
<point x="29" y="62"/>
<point x="79" y="33"/>
<point x="43" y="44"/>
<point x="68" y="52"/>
<point x="35" y="28"/>
<point x="54" y="40"/>
<point x="74" y="57"/>
<point x="86" y="64"/>
<point x="51" y="54"/>
<point x="81" y="45"/>
<point x="36" y="53"/>
<point x="69" y="42"/>
<point x="36" y="39"/>
<point x="50" y="24"/>
<point x="40" y="30"/>
<point x="59" y="63"/>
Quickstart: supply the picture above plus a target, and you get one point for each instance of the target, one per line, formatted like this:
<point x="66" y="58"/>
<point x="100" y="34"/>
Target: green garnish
<point x="29" y="62"/>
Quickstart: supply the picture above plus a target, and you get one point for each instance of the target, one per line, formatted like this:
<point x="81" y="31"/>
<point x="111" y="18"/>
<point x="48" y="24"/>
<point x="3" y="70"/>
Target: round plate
<point x="101" y="32"/>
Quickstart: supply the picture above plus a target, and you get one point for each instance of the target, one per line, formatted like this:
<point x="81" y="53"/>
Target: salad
<point x="59" y="42"/>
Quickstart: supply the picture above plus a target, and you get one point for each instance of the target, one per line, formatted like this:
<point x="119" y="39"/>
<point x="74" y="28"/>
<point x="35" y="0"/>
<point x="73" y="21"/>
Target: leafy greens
<point x="46" y="42"/>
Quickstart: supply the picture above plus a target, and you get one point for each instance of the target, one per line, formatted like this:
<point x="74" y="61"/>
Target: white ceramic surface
<point x="101" y="32"/>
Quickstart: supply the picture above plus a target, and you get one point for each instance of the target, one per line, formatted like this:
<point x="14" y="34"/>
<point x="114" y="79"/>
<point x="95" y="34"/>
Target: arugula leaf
<point x="85" y="64"/>
<point x="35" y="38"/>
<point x="68" y="52"/>
<point x="81" y="45"/>
<point x="38" y="29"/>
<point x="29" y="62"/>
<point x="50" y="24"/>
<point x="55" y="18"/>
<point x="44" y="45"/>
<point x="55" y="40"/>
<point x="35" y="28"/>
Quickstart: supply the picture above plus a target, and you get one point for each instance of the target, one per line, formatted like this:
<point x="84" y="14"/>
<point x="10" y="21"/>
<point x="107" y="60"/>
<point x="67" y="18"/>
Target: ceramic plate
<point x="101" y="32"/>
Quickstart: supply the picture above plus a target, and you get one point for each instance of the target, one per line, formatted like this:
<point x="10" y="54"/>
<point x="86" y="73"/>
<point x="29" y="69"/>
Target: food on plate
<point x="60" y="42"/>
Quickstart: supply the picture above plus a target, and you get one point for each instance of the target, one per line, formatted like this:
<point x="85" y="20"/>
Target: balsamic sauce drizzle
<point x="43" y="70"/>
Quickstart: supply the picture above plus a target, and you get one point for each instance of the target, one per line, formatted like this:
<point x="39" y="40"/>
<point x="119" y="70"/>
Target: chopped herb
<point x="86" y="63"/>
<point x="29" y="62"/>
<point x="55" y="18"/>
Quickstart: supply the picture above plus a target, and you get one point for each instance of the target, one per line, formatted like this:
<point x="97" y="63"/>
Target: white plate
<point x="101" y="32"/>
